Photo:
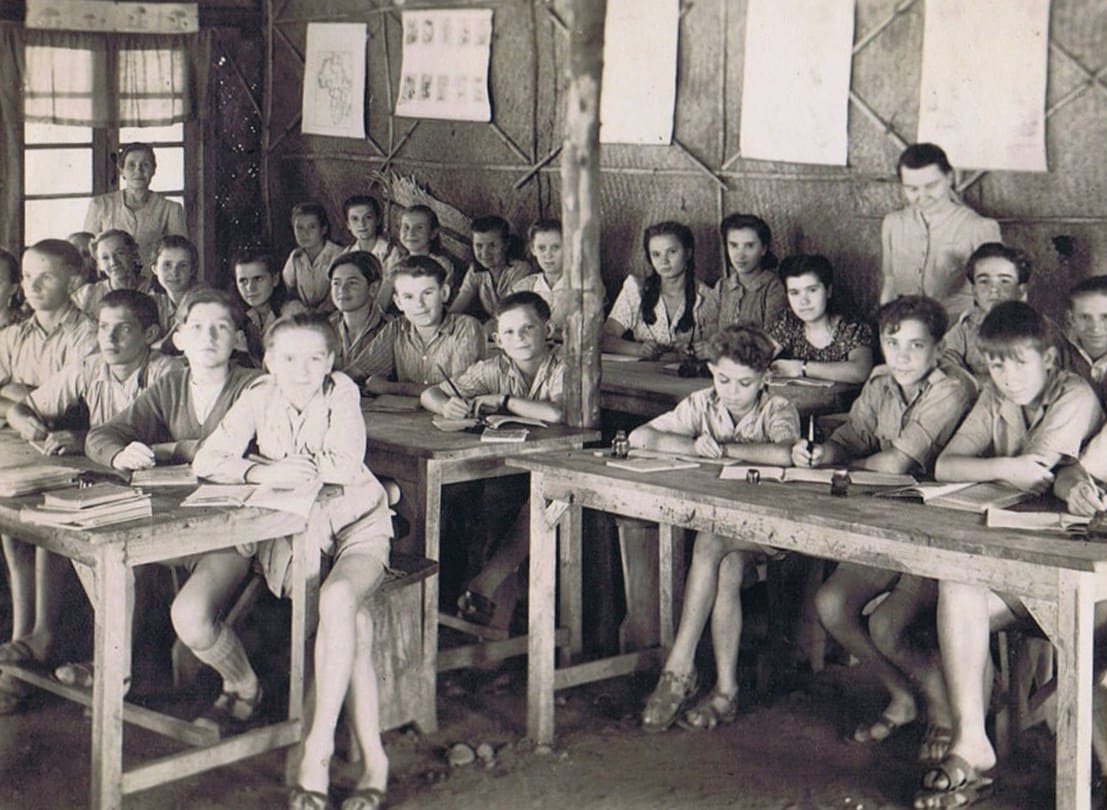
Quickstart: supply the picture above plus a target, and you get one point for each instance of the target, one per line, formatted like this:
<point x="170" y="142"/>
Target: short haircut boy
<point x="174" y="241"/>
<point x="998" y="250"/>
<point x="1094" y="285"/>
<point x="742" y="344"/>
<point x="62" y="252"/>
<point x="209" y="295"/>
<point x="927" y="311"/>
<point x="420" y="267"/>
<point x="140" y="305"/>
<point x="1012" y="324"/>
<point x="492" y="224"/>
<point x="356" y="200"/>
<point x="920" y="155"/>
<point x="522" y="300"/>
<point x="310" y="321"/>
<point x="367" y="264"/>
<point x="311" y="209"/>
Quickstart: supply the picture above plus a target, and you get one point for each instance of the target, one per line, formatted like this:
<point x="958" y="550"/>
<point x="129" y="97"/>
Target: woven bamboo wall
<point x="483" y="168"/>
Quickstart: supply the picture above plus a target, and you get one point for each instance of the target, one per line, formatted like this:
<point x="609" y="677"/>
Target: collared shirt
<point x="760" y="301"/>
<point x="156" y="218"/>
<point x="1094" y="457"/>
<point x="87" y="297"/>
<point x="500" y="375"/>
<point x="399" y="351"/>
<point x="352" y="349"/>
<point x="773" y="419"/>
<point x="382" y="249"/>
<point x="882" y="417"/>
<point x="627" y="311"/>
<point x="1068" y="414"/>
<point x="537" y="283"/>
<point x="165" y="412"/>
<point x="307" y="280"/>
<point x="489" y="289"/>
<point x="93" y="383"/>
<point x="788" y="333"/>
<point x="29" y="354"/>
<point x="928" y="256"/>
<point x="959" y="347"/>
<point x="1078" y="361"/>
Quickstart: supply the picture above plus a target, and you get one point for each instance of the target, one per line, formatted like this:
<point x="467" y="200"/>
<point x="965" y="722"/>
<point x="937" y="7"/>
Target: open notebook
<point x="966" y="497"/>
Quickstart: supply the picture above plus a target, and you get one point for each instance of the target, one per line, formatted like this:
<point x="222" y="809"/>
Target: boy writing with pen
<point x="525" y="380"/>
<point x="904" y="415"/>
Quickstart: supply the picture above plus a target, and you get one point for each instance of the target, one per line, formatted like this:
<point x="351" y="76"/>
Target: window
<point x="66" y="164"/>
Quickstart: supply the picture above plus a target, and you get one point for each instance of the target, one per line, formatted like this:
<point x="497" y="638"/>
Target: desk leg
<point x="569" y="580"/>
<point x="107" y="691"/>
<point x="431" y="475"/>
<point x="666" y="584"/>
<point x="1075" y="619"/>
<point x="540" y="619"/>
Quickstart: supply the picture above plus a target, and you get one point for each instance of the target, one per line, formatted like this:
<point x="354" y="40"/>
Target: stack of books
<point x="32" y="478"/>
<point x="102" y="504"/>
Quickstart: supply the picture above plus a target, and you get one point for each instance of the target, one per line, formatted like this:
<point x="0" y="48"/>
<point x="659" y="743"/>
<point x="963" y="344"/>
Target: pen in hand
<point x="810" y="440"/>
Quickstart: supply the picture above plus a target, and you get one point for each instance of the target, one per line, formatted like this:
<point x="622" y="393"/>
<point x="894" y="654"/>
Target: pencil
<point x="449" y="382"/>
<point x="810" y="437"/>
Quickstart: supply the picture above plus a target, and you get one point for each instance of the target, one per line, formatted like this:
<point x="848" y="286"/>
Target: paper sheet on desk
<point x="801" y="382"/>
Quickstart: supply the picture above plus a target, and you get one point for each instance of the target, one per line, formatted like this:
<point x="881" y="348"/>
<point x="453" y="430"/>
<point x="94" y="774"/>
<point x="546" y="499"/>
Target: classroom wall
<point x="835" y="211"/>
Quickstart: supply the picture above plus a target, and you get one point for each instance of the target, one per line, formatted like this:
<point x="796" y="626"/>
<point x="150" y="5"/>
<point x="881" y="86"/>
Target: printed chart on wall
<point x="445" y="65"/>
<point x="984" y="69"/>
<point x="334" y="80"/>
<point x="795" y="81"/>
<point x="639" y="71"/>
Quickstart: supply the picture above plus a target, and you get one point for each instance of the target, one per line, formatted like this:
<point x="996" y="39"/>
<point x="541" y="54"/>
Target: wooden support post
<point x="580" y="177"/>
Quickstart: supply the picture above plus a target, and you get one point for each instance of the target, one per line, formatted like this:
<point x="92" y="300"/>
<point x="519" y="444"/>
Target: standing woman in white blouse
<point x="134" y="208"/>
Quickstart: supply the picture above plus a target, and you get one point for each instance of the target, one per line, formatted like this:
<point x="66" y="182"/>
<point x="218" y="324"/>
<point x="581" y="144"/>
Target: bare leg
<point x="726" y="621"/>
<point x="511" y="554"/>
<point x="20" y="558"/>
<point x="353" y="577"/>
<point x="839" y="603"/>
<point x="699" y="596"/>
<point x="363" y="705"/>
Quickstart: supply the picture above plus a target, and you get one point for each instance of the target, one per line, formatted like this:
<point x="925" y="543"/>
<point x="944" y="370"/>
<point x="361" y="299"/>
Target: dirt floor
<point x="785" y="752"/>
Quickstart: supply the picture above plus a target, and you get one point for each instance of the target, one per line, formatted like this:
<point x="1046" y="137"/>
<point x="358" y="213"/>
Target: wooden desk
<point x="172" y="532"/>
<point x="649" y="389"/>
<point x="423" y="459"/>
<point x="1059" y="579"/>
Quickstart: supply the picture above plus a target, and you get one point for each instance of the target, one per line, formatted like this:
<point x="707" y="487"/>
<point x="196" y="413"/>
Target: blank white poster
<point x="639" y="71"/>
<point x="984" y="82"/>
<point x="445" y="66"/>
<point x="795" y="81"/>
<point x="334" y="80"/>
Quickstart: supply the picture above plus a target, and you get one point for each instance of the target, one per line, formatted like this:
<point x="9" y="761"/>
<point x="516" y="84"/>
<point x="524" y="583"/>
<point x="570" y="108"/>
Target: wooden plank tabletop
<point x="414" y="434"/>
<point x="707" y="499"/>
<point x="651" y="388"/>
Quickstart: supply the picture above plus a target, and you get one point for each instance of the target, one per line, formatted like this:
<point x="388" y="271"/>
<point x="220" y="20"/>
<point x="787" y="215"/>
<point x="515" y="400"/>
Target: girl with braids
<point x="669" y="310"/>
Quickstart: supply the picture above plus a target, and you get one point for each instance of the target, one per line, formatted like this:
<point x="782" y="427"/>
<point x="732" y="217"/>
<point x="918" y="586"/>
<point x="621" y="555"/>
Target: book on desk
<point x="32" y="478"/>
<point x="963" y="496"/>
<point x="295" y="498"/>
<point x="92" y="507"/>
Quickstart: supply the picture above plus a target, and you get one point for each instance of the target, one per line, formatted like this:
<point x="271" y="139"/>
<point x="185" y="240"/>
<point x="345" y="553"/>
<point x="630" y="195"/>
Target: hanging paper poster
<point x="639" y="71"/>
<point x="119" y="18"/>
<point x="445" y="65"/>
<point x="984" y="69"/>
<point x="334" y="80"/>
<point x="795" y="83"/>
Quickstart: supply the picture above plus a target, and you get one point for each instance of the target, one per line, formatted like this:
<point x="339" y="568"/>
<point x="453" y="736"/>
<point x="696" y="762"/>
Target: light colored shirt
<point x="1080" y="362"/>
<point x="382" y="249"/>
<point x="399" y="351"/>
<point x="760" y="301"/>
<point x="353" y="349"/>
<point x="500" y="375"/>
<point x="156" y="218"/>
<point x="1068" y="414"/>
<point x="166" y="412"/>
<point x="627" y="311"/>
<point x="87" y="297"/>
<point x="772" y="420"/>
<point x="1094" y="457"/>
<point x="882" y="418"/>
<point x="537" y="284"/>
<point x="93" y="383"/>
<point x="307" y="280"/>
<point x="959" y="347"/>
<point x="30" y="355"/>
<point x="928" y="257"/>
<point x="490" y="289"/>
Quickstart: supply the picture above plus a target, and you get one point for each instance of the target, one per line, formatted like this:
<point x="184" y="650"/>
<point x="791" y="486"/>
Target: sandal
<point x="706" y="714"/>
<point x="17" y="651"/>
<point x="81" y="674"/>
<point x="370" y="798"/>
<point x="475" y="607"/>
<point x="667" y="699"/>
<point x="301" y="799"/>
<point x="232" y="713"/>
<point x="879" y="730"/>
<point x="935" y="743"/>
<point x="953" y="782"/>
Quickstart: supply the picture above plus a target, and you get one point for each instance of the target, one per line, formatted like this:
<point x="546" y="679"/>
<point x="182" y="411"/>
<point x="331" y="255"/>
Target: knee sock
<point x="227" y="656"/>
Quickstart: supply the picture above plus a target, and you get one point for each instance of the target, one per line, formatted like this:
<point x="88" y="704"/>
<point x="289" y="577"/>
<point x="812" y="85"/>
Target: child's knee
<point x="709" y="547"/>
<point x="364" y="626"/>
<point x="193" y="618"/>
<point x="337" y="602"/>
<point x="886" y="635"/>
<point x="732" y="569"/>
<point x="830" y="605"/>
